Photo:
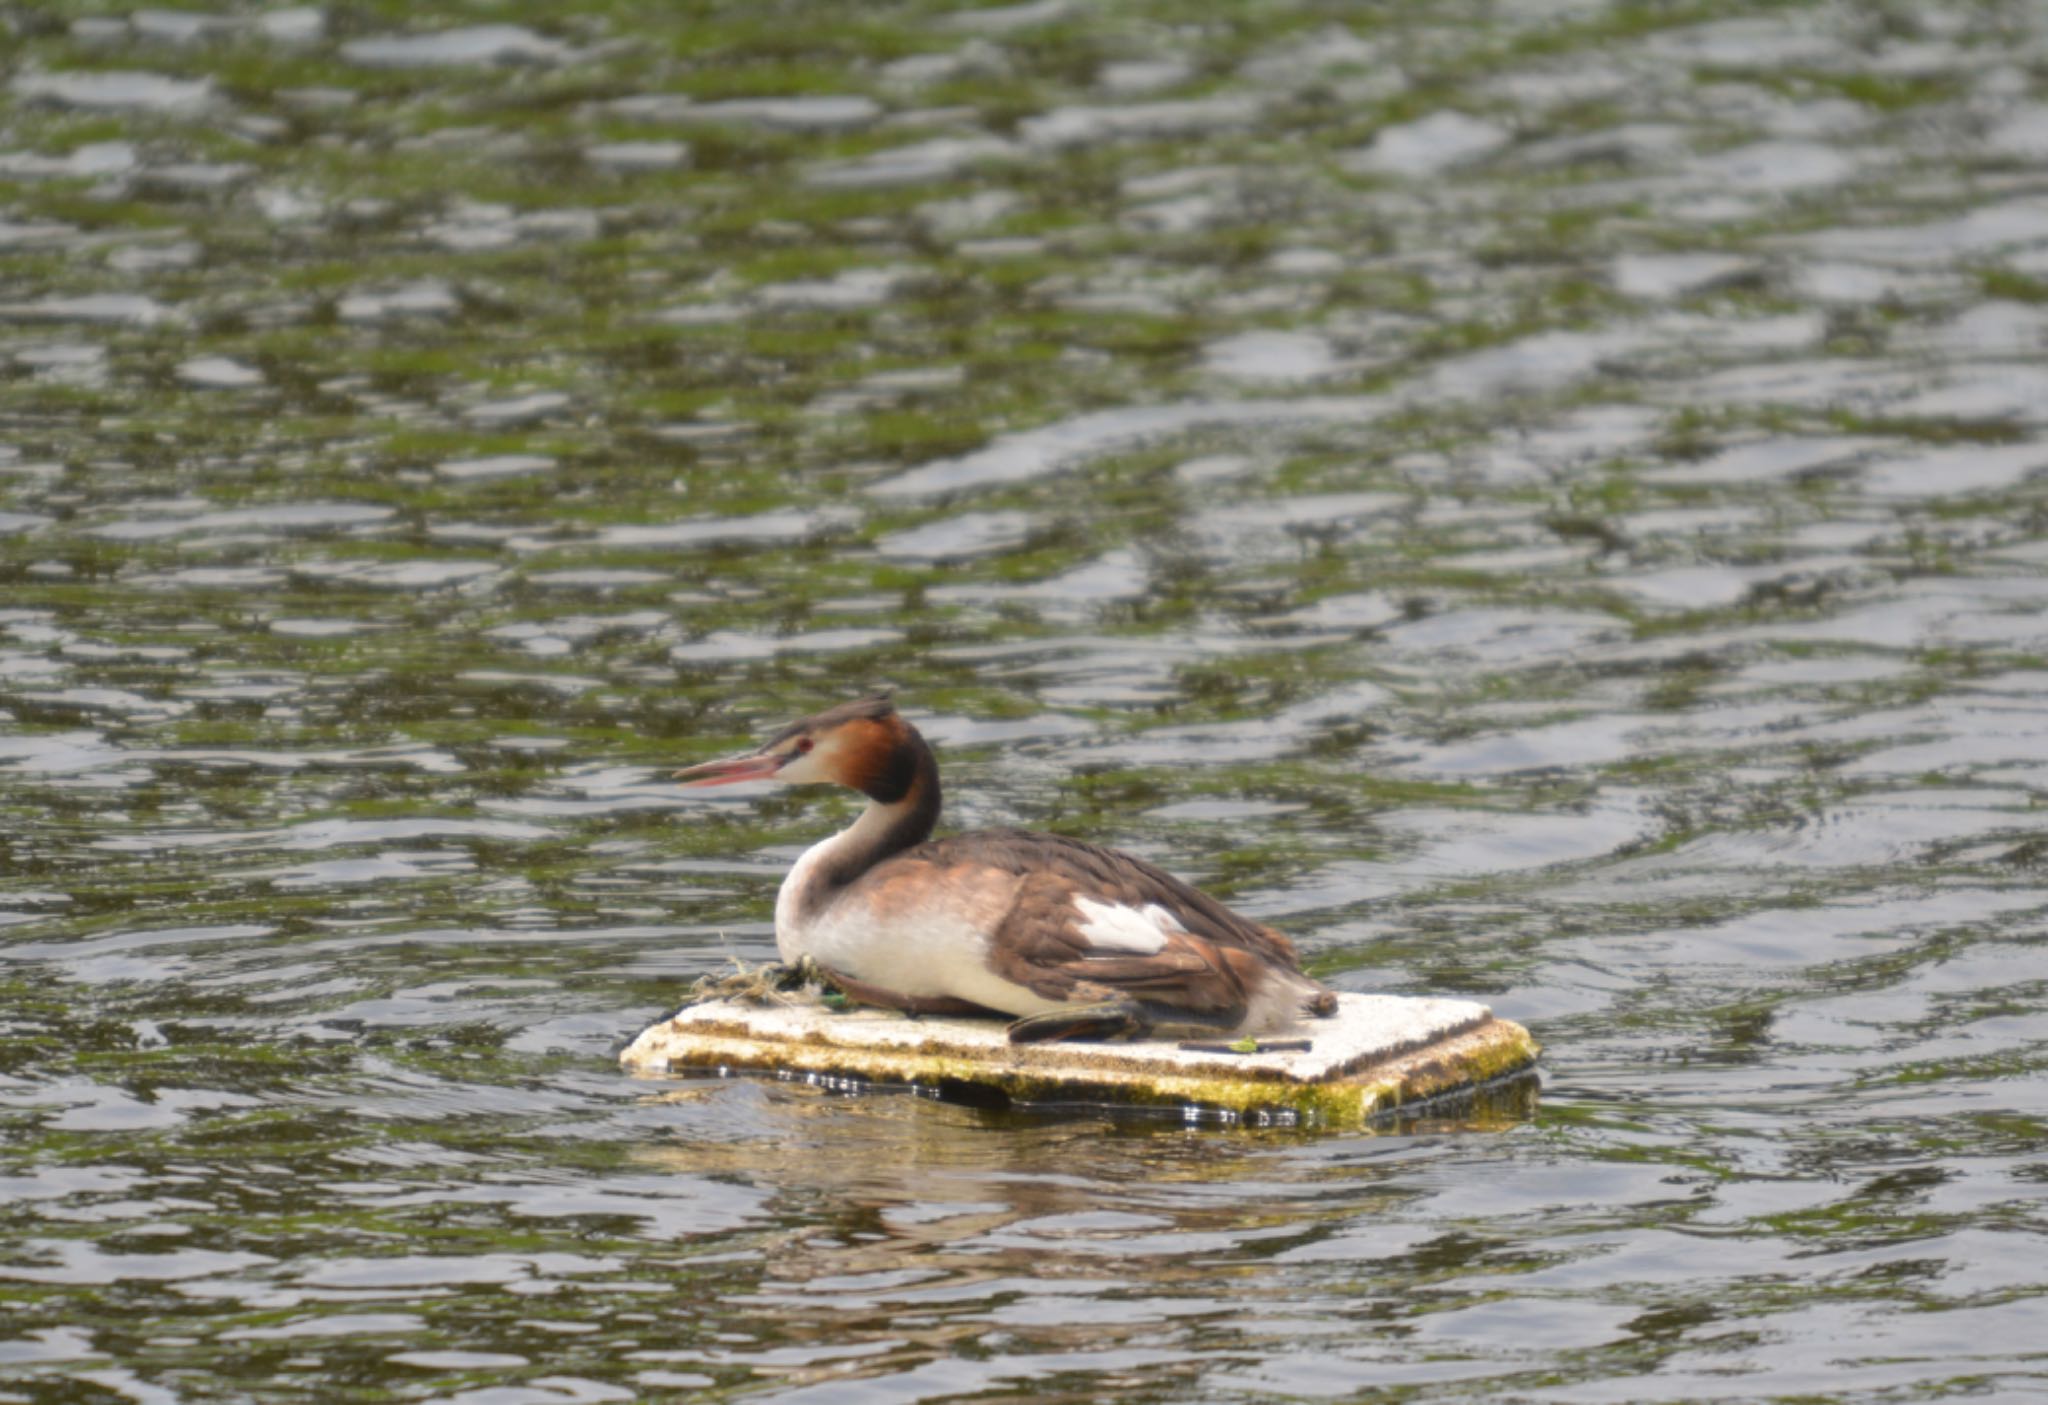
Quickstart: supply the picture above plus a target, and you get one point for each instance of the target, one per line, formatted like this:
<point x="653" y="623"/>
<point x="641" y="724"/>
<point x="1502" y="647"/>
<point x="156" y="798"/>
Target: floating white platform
<point x="1376" y="1054"/>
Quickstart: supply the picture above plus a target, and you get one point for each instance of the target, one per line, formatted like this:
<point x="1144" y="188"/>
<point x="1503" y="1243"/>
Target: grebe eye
<point x="803" y="745"/>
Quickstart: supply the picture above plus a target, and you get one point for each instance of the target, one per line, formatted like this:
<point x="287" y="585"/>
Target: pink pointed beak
<point x="757" y="766"/>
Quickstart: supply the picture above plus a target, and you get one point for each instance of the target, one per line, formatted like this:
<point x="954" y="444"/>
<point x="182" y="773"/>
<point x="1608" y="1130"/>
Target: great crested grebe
<point x="1072" y="940"/>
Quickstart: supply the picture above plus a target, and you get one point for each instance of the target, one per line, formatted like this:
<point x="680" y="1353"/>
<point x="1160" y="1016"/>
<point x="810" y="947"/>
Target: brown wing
<point x="1202" y="958"/>
<point x="1109" y="876"/>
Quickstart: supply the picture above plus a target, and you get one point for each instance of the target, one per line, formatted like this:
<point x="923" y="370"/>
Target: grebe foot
<point x="1110" y="1019"/>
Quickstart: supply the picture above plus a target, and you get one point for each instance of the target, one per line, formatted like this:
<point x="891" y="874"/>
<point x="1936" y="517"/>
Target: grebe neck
<point x="903" y="815"/>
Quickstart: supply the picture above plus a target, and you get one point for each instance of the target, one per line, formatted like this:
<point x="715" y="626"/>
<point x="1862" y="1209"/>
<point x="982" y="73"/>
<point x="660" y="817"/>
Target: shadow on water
<point x="1490" y="1106"/>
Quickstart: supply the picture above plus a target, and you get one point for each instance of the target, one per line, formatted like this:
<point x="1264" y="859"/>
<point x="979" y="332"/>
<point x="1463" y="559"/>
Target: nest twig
<point x="771" y="983"/>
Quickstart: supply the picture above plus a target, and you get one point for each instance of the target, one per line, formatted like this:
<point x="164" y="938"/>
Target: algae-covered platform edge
<point x="1377" y="1054"/>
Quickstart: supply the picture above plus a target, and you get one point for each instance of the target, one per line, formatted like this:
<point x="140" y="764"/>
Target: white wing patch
<point x="1115" y="930"/>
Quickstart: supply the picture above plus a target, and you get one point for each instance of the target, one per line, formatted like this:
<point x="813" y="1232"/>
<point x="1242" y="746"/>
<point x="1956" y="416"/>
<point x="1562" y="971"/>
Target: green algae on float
<point x="1377" y="1055"/>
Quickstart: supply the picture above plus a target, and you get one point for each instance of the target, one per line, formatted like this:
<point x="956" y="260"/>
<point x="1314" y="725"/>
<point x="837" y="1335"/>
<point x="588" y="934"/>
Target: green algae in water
<point x="1649" y="646"/>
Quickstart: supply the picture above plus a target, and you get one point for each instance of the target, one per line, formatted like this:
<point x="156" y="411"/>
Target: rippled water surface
<point x="1543" y="501"/>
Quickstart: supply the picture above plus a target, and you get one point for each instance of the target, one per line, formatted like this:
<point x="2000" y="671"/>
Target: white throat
<point x="802" y="900"/>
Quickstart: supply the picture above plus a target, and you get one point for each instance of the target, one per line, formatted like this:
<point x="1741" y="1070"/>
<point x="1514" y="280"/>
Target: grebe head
<point x="861" y="744"/>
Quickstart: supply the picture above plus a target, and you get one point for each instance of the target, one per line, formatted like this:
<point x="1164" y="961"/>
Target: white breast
<point x="790" y="935"/>
<point x="938" y="947"/>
